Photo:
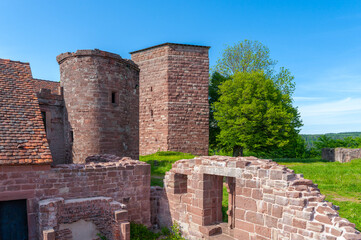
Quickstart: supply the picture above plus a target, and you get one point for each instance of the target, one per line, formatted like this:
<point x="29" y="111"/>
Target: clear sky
<point x="319" y="41"/>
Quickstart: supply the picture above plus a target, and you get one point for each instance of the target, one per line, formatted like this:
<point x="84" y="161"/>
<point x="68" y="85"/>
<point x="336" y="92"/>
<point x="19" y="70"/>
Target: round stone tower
<point x="102" y="103"/>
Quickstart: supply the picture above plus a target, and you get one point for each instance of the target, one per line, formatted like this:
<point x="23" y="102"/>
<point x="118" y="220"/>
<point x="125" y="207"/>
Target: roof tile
<point x="22" y="133"/>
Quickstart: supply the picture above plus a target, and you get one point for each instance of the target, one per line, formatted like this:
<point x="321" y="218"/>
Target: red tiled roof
<point x="39" y="84"/>
<point x="22" y="133"/>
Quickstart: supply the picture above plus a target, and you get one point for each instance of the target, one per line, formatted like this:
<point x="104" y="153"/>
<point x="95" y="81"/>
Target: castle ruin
<point x="67" y="150"/>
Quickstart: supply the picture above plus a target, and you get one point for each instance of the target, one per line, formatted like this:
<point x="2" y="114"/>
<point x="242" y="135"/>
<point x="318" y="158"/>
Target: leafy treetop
<point x="253" y="113"/>
<point x="250" y="56"/>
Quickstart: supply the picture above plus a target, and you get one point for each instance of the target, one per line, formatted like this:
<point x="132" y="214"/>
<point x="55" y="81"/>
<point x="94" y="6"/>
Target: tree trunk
<point x="237" y="151"/>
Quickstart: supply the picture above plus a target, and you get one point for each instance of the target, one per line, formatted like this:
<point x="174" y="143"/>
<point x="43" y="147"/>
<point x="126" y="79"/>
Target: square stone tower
<point x="173" y="104"/>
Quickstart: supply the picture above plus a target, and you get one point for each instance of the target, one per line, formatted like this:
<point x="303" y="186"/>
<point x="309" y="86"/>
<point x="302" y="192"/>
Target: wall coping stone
<point x="169" y="44"/>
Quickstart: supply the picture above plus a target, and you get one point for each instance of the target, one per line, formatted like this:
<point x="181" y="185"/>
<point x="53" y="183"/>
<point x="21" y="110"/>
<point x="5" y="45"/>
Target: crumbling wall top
<point x="266" y="201"/>
<point x="97" y="53"/>
<point x="104" y="161"/>
<point x="40" y="84"/>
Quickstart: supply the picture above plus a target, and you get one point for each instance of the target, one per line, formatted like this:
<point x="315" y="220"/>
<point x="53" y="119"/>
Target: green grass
<point x="161" y="162"/>
<point x="339" y="182"/>
<point x="141" y="232"/>
<point x="225" y="204"/>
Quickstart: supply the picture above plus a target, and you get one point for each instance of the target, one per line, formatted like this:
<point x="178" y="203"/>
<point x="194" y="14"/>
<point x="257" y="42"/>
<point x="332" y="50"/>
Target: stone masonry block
<point x="121" y="215"/>
<point x="49" y="234"/>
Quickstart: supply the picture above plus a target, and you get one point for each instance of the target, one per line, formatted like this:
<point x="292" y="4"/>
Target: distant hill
<point x="311" y="138"/>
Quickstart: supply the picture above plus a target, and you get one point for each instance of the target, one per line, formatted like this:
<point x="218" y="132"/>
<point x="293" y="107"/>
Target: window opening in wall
<point x="71" y="136"/>
<point x="151" y="89"/>
<point x="228" y="201"/>
<point x="151" y="113"/>
<point x="225" y="196"/>
<point x="43" y="115"/>
<point x="114" y="95"/>
<point x="220" y="191"/>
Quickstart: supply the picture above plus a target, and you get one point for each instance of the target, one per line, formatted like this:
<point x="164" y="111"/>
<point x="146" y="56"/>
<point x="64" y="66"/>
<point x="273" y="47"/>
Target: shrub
<point x="141" y="232"/>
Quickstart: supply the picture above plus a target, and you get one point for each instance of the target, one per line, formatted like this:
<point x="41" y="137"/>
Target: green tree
<point x="245" y="56"/>
<point x="251" y="56"/>
<point x="215" y="81"/>
<point x="254" y="114"/>
<point x="325" y="141"/>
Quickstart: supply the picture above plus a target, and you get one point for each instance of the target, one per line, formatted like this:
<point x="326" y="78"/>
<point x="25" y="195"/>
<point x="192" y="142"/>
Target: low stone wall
<point x="328" y="154"/>
<point x="266" y="201"/>
<point x="124" y="180"/>
<point x="83" y="218"/>
<point x="341" y="154"/>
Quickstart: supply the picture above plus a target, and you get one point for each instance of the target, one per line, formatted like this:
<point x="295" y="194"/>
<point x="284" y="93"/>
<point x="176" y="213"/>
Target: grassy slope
<point x="340" y="182"/>
<point x="161" y="162"/>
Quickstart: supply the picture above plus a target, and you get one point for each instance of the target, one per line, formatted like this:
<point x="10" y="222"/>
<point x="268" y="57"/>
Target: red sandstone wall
<point x="188" y="74"/>
<point x="53" y="105"/>
<point x="109" y="217"/>
<point x="271" y="202"/>
<point x="127" y="182"/>
<point x="99" y="126"/>
<point x="153" y="99"/>
<point x="39" y="84"/>
<point x="173" y="98"/>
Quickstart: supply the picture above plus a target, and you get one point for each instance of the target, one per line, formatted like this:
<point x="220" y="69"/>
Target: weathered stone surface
<point x="82" y="218"/>
<point x="340" y="154"/>
<point x="173" y="98"/>
<point x="51" y="104"/>
<point x="257" y="208"/>
<point x="94" y="109"/>
<point x="126" y="181"/>
<point x="102" y="103"/>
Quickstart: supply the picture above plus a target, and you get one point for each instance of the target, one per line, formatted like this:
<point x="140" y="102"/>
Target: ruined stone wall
<point x="52" y="105"/>
<point x="83" y="218"/>
<point x="126" y="181"/>
<point x="102" y="102"/>
<point x="174" y="98"/>
<point x="40" y="84"/>
<point x="328" y="154"/>
<point x="270" y="201"/>
<point x="341" y="155"/>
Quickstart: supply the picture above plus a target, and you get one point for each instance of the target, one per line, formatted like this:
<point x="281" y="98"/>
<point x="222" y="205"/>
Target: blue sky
<point x="319" y="41"/>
